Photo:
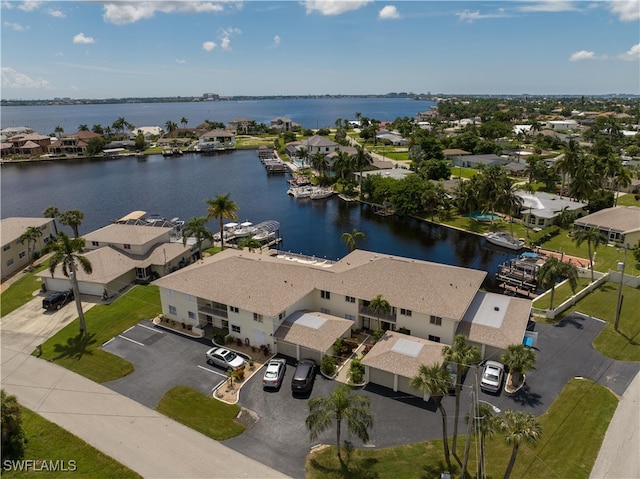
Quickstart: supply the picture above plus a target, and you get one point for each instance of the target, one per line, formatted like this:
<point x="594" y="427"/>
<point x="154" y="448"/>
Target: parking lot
<point x="162" y="360"/>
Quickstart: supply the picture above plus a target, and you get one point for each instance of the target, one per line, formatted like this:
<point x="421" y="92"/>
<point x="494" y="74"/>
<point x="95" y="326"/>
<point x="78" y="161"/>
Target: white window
<point x="95" y="243"/>
<point x="325" y="294"/>
<point x="172" y="310"/>
<point x="171" y="293"/>
<point x="405" y="312"/>
<point x="436" y="320"/>
<point x="22" y="254"/>
<point x="350" y="299"/>
<point x="190" y="297"/>
<point x="257" y="317"/>
<point x="192" y="315"/>
<point x="127" y="246"/>
<point x="235" y="328"/>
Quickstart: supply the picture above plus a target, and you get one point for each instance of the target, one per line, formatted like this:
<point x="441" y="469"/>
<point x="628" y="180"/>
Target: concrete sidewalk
<point x="619" y="456"/>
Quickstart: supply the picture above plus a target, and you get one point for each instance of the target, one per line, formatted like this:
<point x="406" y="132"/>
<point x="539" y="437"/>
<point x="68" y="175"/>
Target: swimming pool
<point x="484" y="217"/>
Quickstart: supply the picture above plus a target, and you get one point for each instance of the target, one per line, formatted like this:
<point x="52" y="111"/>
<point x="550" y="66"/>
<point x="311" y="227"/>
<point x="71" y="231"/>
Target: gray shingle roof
<point x="625" y="219"/>
<point x="130" y="234"/>
<point x="12" y="228"/>
<point x="296" y="330"/>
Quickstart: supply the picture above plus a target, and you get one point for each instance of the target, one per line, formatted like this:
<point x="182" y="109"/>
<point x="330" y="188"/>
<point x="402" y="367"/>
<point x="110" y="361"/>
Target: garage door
<point x="403" y="385"/>
<point x="310" y="353"/>
<point x="382" y="378"/>
<point x="286" y="348"/>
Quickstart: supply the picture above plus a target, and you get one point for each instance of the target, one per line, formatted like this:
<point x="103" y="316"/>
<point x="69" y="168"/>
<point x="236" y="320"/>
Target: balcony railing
<point x="365" y="310"/>
<point x="220" y="313"/>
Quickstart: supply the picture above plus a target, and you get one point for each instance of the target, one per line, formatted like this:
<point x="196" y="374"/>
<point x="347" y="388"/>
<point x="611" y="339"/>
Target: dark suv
<point x="302" y="380"/>
<point x="57" y="300"/>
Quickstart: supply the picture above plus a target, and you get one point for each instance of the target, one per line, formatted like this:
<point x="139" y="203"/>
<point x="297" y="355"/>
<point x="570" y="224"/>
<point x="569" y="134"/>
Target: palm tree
<point x="486" y="423"/>
<point x="222" y="207"/>
<point x="594" y="237"/>
<point x="250" y="243"/>
<point x="196" y="227"/>
<point x="73" y="219"/>
<point x="66" y="252"/>
<point x="170" y="126"/>
<point x="344" y="164"/>
<point x="570" y="162"/>
<point x="434" y="380"/>
<point x="510" y="203"/>
<point x="462" y="355"/>
<point x="52" y="212"/>
<point x="362" y="159"/>
<point x="351" y="239"/>
<point x="341" y="404"/>
<point x="379" y="305"/>
<point x="184" y="122"/>
<point x="518" y="358"/>
<point x="58" y="130"/>
<point x="303" y="154"/>
<point x="320" y="163"/>
<point x="83" y="127"/>
<point x="31" y="235"/>
<point x="551" y="270"/>
<point x="518" y="427"/>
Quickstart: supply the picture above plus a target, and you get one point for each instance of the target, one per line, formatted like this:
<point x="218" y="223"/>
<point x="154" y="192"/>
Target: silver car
<point x="492" y="376"/>
<point x="274" y="373"/>
<point x="224" y="358"/>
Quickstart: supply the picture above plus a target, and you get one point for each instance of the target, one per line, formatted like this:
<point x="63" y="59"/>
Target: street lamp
<point x="621" y="266"/>
<point x="496" y="409"/>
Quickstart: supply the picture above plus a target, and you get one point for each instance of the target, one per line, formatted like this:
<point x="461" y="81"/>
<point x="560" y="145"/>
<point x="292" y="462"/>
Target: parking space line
<point x="212" y="371"/>
<point x="152" y="329"/>
<point x="129" y="339"/>
<point x="105" y="343"/>
<point x="126" y="331"/>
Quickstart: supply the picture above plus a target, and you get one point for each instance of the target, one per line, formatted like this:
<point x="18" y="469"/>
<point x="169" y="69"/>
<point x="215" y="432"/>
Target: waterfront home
<point x="319" y="144"/>
<point x="620" y="224"/>
<point x="214" y="140"/>
<point x="123" y="254"/>
<point x="74" y="144"/>
<point x="148" y="132"/>
<point x="260" y="299"/>
<point x="283" y="123"/>
<point x="29" y="144"/>
<point x="541" y="209"/>
<point x="241" y="125"/>
<point x="477" y="161"/>
<point x="15" y="255"/>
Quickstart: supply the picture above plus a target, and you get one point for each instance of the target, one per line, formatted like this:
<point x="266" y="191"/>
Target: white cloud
<point x="15" y="26"/>
<point x="56" y="13"/>
<point x="389" y="12"/>
<point x="14" y="79"/>
<point x="582" y="55"/>
<point x="549" y="6"/>
<point x="467" y="16"/>
<point x="276" y="41"/>
<point x="7" y="5"/>
<point x="82" y="38"/>
<point x="333" y="7"/>
<point x="208" y="46"/>
<point x="225" y="35"/>
<point x="632" y="54"/>
<point x="180" y="62"/>
<point x="124" y="12"/>
<point x="225" y="44"/>
<point x="627" y="10"/>
<point x="29" y="5"/>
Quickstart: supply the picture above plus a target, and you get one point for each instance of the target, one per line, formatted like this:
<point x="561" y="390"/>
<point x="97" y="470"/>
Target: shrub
<point x="337" y="347"/>
<point x="219" y="337"/>
<point x="377" y="334"/>
<point x="356" y="371"/>
<point x="328" y="365"/>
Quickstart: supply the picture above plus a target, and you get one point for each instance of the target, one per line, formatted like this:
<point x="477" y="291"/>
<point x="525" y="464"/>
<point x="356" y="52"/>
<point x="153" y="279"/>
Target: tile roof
<point x="619" y="218"/>
<point x="402" y="355"/>
<point x="12" y="228"/>
<point x="313" y="330"/>
<point x="131" y="234"/>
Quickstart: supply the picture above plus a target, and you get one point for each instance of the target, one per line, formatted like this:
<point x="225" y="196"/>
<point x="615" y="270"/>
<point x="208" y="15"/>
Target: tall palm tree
<point x="434" y="380"/>
<point x="518" y="358"/>
<point x="518" y="427"/>
<point x="83" y="127"/>
<point x="58" y="130"/>
<point x="222" y="207"/>
<point x="509" y="203"/>
<point x="340" y="405"/>
<point x="485" y="425"/>
<point x="65" y="251"/>
<point x="379" y="305"/>
<point x="184" y="122"/>
<point x="344" y="164"/>
<point x="303" y="154"/>
<point x="320" y="163"/>
<point x="72" y="219"/>
<point x="594" y="238"/>
<point x="351" y="239"/>
<point x="52" y="212"/>
<point x="362" y="159"/>
<point x="197" y="228"/>
<point x="551" y="270"/>
<point x="570" y="162"/>
<point x="462" y="355"/>
<point x="30" y="236"/>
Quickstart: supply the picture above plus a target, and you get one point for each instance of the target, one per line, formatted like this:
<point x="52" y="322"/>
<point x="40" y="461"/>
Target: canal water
<point x="177" y="187"/>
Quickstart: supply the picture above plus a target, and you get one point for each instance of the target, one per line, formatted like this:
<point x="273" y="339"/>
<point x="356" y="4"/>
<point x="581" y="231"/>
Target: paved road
<point x="137" y="436"/>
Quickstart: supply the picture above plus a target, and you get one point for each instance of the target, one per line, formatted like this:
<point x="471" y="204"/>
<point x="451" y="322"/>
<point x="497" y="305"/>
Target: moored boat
<point x="501" y="238"/>
<point x="319" y="193"/>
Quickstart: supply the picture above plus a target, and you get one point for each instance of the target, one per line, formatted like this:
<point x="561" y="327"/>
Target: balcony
<point x="366" y="311"/>
<point x="211" y="311"/>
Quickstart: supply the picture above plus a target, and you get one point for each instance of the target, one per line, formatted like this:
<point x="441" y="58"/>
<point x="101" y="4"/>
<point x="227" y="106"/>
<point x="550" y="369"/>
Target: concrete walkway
<point x="619" y="456"/>
<point x="139" y="437"/>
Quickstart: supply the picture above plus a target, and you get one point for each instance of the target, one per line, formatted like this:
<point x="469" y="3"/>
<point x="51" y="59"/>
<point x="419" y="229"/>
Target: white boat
<point x="319" y="193"/>
<point x="505" y="240"/>
<point x="300" y="191"/>
<point x="244" y="229"/>
<point x="346" y="198"/>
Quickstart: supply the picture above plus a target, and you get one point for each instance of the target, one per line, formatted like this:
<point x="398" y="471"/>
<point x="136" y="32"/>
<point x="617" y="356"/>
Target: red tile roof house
<point x="74" y="144"/>
<point x="29" y="144"/>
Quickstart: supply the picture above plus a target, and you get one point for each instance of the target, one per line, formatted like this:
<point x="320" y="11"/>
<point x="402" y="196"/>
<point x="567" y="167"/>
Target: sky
<point x="114" y="49"/>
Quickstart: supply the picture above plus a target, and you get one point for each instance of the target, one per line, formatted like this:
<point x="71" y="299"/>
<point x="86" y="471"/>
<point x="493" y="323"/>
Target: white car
<point x="224" y="358"/>
<point x="274" y="373"/>
<point x="492" y="376"/>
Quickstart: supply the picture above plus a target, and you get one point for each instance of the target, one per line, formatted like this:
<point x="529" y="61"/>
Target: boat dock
<point x="519" y="275"/>
<point x="271" y="161"/>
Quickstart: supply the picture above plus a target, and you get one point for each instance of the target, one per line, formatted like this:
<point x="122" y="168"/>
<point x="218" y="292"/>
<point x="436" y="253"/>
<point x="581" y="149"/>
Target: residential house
<point x="478" y="161"/>
<point x="216" y="140"/>
<point x="123" y="254"/>
<point x="14" y="253"/>
<point x="148" y="132"/>
<point x="562" y="125"/>
<point x="299" y="307"/>
<point x="29" y="144"/>
<point x="283" y="123"/>
<point x="319" y="144"/>
<point x="541" y="209"/>
<point x="620" y="224"/>
<point x="74" y="144"/>
<point x="241" y="125"/>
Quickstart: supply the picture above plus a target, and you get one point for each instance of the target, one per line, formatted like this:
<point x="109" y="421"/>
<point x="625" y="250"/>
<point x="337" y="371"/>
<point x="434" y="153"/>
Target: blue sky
<point x="95" y="49"/>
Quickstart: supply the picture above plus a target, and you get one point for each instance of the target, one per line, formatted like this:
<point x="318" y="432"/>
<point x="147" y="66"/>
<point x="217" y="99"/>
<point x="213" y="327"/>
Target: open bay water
<point x="177" y="187"/>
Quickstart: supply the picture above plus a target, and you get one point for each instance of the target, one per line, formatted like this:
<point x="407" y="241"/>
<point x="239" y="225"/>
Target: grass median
<point x="572" y="432"/>
<point x="21" y="291"/>
<point x="104" y="321"/>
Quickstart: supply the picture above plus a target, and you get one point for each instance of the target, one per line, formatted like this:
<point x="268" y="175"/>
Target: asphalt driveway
<point x="162" y="360"/>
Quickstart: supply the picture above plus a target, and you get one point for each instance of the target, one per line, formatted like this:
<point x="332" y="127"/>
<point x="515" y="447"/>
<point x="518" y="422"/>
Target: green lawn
<point x="563" y="292"/>
<point x="20" y="292"/>
<point x="48" y="441"/>
<point x="628" y="200"/>
<point x="207" y="415"/>
<point x="572" y="431"/>
<point x="103" y="323"/>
